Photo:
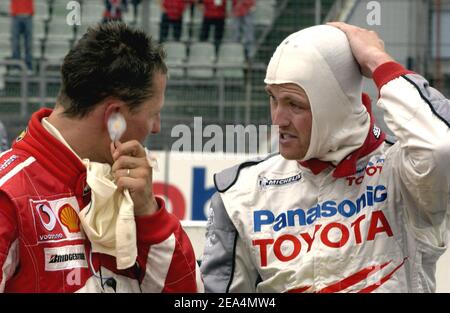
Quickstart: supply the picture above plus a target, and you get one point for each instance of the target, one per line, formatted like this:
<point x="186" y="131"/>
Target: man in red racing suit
<point x="43" y="188"/>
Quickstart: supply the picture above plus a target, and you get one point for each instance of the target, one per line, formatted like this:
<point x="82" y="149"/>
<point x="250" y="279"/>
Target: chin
<point x="291" y="155"/>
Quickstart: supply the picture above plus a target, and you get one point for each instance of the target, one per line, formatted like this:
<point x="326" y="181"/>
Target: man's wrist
<point x="378" y="60"/>
<point x="151" y="208"/>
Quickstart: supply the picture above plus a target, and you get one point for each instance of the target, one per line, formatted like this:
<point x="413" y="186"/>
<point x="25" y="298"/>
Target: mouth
<point x="286" y="138"/>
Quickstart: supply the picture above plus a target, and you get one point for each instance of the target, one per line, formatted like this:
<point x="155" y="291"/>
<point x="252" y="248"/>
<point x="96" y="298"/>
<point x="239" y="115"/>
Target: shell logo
<point x="69" y="218"/>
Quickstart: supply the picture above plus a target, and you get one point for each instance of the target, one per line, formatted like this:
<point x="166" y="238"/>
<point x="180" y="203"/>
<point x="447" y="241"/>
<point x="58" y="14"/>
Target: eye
<point x="296" y="107"/>
<point x="272" y="99"/>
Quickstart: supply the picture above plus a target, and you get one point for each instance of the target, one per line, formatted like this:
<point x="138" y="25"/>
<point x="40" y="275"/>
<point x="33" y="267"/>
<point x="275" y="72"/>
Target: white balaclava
<point x="319" y="60"/>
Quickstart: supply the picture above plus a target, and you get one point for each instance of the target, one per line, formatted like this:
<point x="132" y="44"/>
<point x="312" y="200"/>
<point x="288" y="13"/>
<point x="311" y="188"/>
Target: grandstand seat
<point x="192" y="21"/>
<point x="201" y="54"/>
<point x="4" y="7"/>
<point x="56" y="50"/>
<point x="92" y="12"/>
<point x="5" y="26"/>
<point x="37" y="53"/>
<point x="59" y="29"/>
<point x="154" y="30"/>
<point x="38" y="29"/>
<point x="5" y="39"/>
<point x="231" y="55"/>
<point x="229" y="29"/>
<point x="5" y="49"/>
<point x="59" y="9"/>
<point x="128" y="17"/>
<point x="41" y="9"/>
<point x="176" y="55"/>
<point x="90" y="17"/>
<point x="196" y="16"/>
<point x="155" y="12"/>
<point x="190" y="32"/>
<point x="264" y="13"/>
<point x="93" y="7"/>
<point x="82" y="29"/>
<point x="2" y="76"/>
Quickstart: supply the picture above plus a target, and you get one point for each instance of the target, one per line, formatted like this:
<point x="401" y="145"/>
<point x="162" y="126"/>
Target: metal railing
<point x="23" y="78"/>
<point x="341" y="10"/>
<point x="49" y="74"/>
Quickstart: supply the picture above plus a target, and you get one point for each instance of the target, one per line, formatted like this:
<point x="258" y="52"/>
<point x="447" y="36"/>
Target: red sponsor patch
<point x="47" y="224"/>
<point x="56" y="220"/>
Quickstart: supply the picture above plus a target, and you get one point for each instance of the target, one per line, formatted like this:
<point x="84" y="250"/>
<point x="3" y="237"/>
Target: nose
<point x="156" y="126"/>
<point x="280" y="116"/>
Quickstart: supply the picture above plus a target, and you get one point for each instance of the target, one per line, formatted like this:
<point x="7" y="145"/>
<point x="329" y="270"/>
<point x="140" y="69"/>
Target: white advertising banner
<point x="185" y="180"/>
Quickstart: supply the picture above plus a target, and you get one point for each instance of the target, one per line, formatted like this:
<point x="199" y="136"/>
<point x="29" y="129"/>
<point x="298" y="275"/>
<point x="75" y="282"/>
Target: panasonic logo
<point x="299" y="216"/>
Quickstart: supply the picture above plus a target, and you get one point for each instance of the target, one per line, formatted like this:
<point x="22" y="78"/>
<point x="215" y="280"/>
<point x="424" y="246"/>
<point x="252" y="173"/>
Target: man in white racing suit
<point x="340" y="209"/>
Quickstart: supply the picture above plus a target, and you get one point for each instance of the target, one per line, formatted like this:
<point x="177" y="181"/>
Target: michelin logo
<point x="265" y="182"/>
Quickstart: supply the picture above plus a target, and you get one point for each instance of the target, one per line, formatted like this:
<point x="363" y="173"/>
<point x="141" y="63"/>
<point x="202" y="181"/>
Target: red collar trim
<point x="50" y="152"/>
<point x="347" y="166"/>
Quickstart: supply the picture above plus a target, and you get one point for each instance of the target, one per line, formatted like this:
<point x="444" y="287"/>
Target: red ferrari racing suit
<point x="42" y="245"/>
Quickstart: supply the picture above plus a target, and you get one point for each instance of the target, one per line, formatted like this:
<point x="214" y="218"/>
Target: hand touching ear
<point x="132" y="171"/>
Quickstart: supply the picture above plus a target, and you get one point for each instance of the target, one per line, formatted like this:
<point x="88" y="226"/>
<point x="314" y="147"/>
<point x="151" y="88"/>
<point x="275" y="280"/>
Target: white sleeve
<point x="421" y="157"/>
<point x="226" y="264"/>
<point x="245" y="275"/>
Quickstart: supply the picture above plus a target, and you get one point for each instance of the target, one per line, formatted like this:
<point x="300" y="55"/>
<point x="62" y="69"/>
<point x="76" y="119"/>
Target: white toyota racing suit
<point x="274" y="226"/>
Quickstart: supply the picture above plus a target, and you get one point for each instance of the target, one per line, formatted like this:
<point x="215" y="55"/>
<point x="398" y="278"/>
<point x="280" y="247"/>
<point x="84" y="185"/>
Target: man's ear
<point x="116" y="124"/>
<point x="111" y="106"/>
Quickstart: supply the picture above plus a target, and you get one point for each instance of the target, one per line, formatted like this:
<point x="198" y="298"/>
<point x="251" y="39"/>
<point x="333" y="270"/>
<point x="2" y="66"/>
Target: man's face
<point x="291" y="112"/>
<point x="146" y="119"/>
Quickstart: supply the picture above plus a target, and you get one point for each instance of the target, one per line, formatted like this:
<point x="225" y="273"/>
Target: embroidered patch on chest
<point x="67" y="257"/>
<point x="264" y="182"/>
<point x="56" y="220"/>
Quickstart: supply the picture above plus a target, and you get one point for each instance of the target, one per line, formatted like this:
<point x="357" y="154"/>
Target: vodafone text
<point x="376" y="221"/>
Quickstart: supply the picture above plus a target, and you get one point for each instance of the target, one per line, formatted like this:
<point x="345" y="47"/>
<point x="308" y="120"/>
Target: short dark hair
<point x="111" y="59"/>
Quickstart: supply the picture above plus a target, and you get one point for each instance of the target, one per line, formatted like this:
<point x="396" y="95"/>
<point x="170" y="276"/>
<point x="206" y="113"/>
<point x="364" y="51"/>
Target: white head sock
<point x="319" y="60"/>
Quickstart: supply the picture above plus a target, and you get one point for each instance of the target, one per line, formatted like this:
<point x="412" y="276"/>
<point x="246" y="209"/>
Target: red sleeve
<point x="162" y="235"/>
<point x="155" y="228"/>
<point x="387" y="72"/>
<point x="8" y="234"/>
<point x="182" y="271"/>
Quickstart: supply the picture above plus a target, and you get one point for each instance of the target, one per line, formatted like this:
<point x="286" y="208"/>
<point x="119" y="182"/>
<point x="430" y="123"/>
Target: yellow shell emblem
<point x="69" y="218"/>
